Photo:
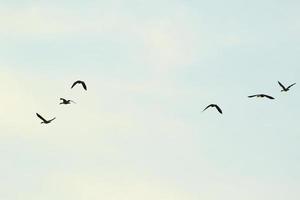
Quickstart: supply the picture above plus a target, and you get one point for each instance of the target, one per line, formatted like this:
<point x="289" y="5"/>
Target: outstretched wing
<point x="83" y="85"/>
<point x="269" y="97"/>
<point x="39" y="116"/>
<point x="219" y="109"/>
<point x="291" y="85"/>
<point x="80" y="82"/>
<point x="207" y="107"/>
<point x="52" y="119"/>
<point x="252" y="96"/>
<point x="62" y="99"/>
<point x="76" y="82"/>
<point x="281" y="85"/>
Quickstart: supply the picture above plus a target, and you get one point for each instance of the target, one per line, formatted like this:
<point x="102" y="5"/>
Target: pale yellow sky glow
<point x="151" y="67"/>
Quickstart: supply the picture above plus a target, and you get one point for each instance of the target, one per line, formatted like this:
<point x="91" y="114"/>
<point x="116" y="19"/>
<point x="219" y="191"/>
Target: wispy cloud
<point x="170" y="41"/>
<point x="138" y="132"/>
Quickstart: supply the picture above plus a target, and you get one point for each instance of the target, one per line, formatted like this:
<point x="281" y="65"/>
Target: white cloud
<point x="110" y="187"/>
<point x="129" y="185"/>
<point x="109" y="107"/>
<point x="120" y="131"/>
<point x="171" y="41"/>
<point x="16" y="103"/>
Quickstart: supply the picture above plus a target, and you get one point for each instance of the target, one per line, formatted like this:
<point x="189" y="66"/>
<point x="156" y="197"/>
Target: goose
<point x="261" y="96"/>
<point x="79" y="82"/>
<point x="44" y="121"/>
<point x="285" y="89"/>
<point x="65" y="101"/>
<point x="215" y="106"/>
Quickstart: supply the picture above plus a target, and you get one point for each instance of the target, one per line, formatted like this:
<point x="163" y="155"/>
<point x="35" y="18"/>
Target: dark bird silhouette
<point x="214" y="105"/>
<point x="44" y="121"/>
<point x="285" y="89"/>
<point x="261" y="96"/>
<point x="65" y="101"/>
<point x="80" y="82"/>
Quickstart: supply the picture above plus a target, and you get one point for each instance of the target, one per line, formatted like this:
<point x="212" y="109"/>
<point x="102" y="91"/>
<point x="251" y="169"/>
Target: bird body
<point x="215" y="106"/>
<point x="65" y="101"/>
<point x="285" y="89"/>
<point x="79" y="82"/>
<point x="261" y="96"/>
<point x="44" y="121"/>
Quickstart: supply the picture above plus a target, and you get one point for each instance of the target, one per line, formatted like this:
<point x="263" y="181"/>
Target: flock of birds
<point x="79" y="82"/>
<point x="63" y="101"/>
<point x="284" y="89"/>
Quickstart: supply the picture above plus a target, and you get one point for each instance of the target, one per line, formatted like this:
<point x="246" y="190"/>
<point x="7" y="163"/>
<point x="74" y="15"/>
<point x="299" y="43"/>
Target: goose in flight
<point x="214" y="105"/>
<point x="65" y="101"/>
<point x="44" y="121"/>
<point x="285" y="89"/>
<point x="80" y="82"/>
<point x="261" y="96"/>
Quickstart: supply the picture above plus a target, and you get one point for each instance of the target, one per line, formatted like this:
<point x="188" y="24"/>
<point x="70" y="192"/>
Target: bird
<point x="80" y="82"/>
<point x="214" y="105"/>
<point x="285" y="89"/>
<point x="261" y="96"/>
<point x="65" y="101"/>
<point x="44" y="121"/>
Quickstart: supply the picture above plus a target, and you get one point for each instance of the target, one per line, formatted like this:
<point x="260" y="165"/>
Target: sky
<point x="151" y="67"/>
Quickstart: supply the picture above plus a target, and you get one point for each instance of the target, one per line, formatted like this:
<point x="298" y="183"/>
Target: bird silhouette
<point x="285" y="89"/>
<point x="44" y="121"/>
<point x="215" y="106"/>
<point x="65" y="101"/>
<point x="261" y="96"/>
<point x="80" y="82"/>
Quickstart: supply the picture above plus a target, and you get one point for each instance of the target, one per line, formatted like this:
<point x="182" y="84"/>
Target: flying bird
<point x="215" y="106"/>
<point x="261" y="96"/>
<point x="79" y="82"/>
<point x="65" y="101"/>
<point x="285" y="89"/>
<point x="44" y="121"/>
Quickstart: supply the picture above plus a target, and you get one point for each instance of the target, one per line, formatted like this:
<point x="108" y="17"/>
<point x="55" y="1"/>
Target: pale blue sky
<point x="151" y="67"/>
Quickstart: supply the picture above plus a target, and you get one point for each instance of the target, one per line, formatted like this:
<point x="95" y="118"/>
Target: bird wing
<point x="52" y="119"/>
<point x="83" y="85"/>
<point x="62" y="99"/>
<point x="281" y="85"/>
<point x="41" y="117"/>
<point x="269" y="97"/>
<point x="207" y="107"/>
<point x="219" y="109"/>
<point x="79" y="82"/>
<point x="252" y="96"/>
<point x="75" y="83"/>
<point x="291" y="85"/>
